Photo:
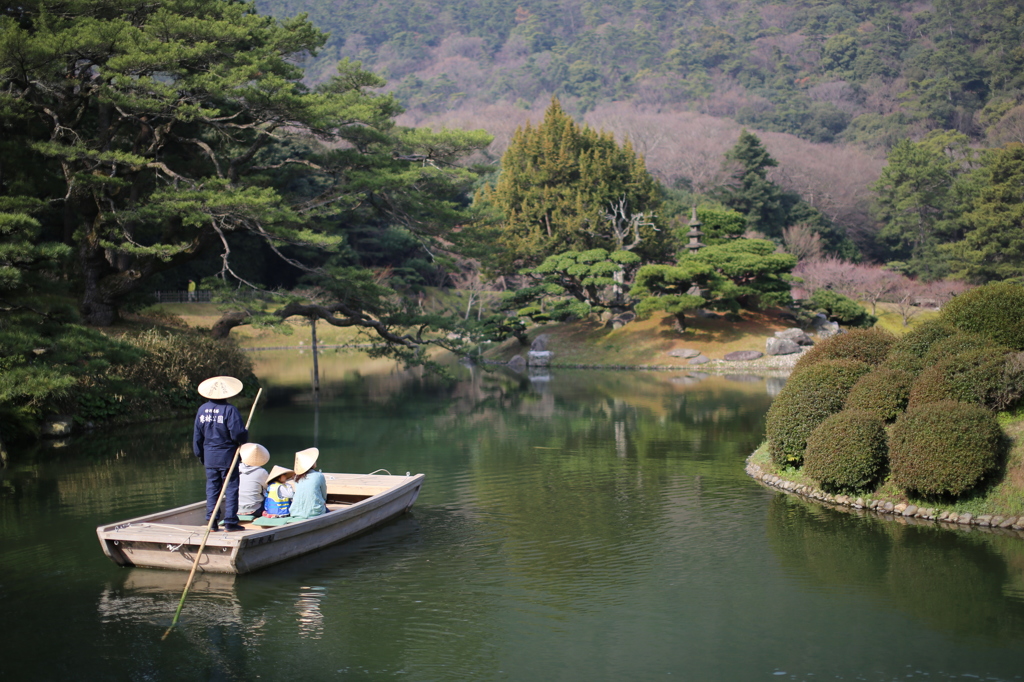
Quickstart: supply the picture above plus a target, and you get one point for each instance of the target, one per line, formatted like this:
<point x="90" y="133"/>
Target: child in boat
<point x="252" y="478"/>
<point x="310" y="486"/>
<point x="279" y="493"/>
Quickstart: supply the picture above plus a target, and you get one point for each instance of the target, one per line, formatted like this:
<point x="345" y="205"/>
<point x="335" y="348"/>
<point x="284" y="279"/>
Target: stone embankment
<point x="904" y="513"/>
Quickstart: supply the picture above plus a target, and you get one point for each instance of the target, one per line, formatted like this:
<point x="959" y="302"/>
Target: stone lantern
<point x="694" y="234"/>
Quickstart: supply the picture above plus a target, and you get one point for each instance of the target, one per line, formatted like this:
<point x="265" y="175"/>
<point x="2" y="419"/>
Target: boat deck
<point x="169" y="539"/>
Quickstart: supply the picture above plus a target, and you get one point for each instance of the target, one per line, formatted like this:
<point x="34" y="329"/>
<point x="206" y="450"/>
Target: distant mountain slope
<point x="869" y="71"/>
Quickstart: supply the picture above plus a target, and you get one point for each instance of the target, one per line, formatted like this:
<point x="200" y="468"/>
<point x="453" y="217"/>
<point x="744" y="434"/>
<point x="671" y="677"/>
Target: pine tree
<point x="752" y="193"/>
<point x="993" y="247"/>
<point x="563" y="187"/>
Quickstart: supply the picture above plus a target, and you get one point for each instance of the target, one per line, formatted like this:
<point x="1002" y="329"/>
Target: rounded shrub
<point x="884" y="391"/>
<point x="961" y="342"/>
<point x="847" y="451"/>
<point x="976" y="376"/>
<point x="995" y="310"/>
<point x="930" y="386"/>
<point x="944" y="448"/>
<point x="865" y="345"/>
<point x="805" y="401"/>
<point x="908" y="352"/>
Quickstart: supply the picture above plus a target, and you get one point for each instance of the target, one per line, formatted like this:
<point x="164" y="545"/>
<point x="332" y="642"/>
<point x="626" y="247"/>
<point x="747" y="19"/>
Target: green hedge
<point x="990" y="377"/>
<point x="884" y="391"/>
<point x="961" y="342"/>
<point x="908" y="352"/>
<point x="847" y="452"/>
<point x="995" y="310"/>
<point x="805" y="401"/>
<point x="865" y="345"/>
<point x="944" y="448"/>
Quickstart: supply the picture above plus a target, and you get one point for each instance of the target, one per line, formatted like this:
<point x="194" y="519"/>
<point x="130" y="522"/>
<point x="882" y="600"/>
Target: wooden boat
<point x="170" y="539"/>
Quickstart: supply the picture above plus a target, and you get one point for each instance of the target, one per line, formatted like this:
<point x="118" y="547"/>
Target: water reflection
<point x="949" y="581"/>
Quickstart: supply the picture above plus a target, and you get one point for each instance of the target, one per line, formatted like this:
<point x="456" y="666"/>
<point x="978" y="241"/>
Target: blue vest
<point x="275" y="505"/>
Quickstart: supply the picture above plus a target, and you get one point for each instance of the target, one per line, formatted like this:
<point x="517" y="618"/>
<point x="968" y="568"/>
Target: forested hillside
<point x="866" y="71"/>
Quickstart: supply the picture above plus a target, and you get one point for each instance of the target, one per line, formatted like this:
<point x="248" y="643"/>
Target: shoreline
<point x="906" y="513"/>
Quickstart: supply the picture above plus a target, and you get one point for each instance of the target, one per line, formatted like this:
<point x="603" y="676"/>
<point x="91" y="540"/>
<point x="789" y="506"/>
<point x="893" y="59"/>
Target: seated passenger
<point x="252" y="478"/>
<point x="279" y="493"/>
<point x="310" y="486"/>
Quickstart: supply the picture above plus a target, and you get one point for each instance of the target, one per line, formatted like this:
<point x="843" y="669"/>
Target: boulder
<point x="795" y="335"/>
<point x="684" y="353"/>
<point x="777" y="346"/>
<point x="58" y="426"/>
<point x="517" y="363"/>
<point x="622" y="320"/>
<point x="539" y="358"/>
<point x="706" y="314"/>
<point x="829" y="329"/>
<point x="744" y="355"/>
<point x="541" y="342"/>
<point x="699" y="360"/>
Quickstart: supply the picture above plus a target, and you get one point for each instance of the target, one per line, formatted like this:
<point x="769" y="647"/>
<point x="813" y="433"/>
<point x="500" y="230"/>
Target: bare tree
<point x="802" y="242"/>
<point x="905" y="295"/>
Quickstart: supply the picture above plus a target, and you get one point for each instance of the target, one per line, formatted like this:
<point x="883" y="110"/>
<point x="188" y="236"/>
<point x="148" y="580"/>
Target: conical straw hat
<point x="254" y="454"/>
<point x="305" y="459"/>
<point x="277" y="471"/>
<point x="217" y="388"/>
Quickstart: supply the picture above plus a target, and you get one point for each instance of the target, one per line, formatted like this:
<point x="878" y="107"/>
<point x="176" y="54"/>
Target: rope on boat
<point x="378" y="471"/>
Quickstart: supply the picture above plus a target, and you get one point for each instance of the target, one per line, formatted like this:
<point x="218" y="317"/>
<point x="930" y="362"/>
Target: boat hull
<point x="171" y="539"/>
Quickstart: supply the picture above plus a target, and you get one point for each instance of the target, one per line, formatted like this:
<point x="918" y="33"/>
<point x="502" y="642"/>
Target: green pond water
<point x="575" y="525"/>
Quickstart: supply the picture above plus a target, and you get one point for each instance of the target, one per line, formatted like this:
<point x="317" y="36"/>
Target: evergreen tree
<point x="751" y="192"/>
<point x="163" y="130"/>
<point x="993" y="247"/>
<point x="921" y="192"/>
<point x="563" y="187"/>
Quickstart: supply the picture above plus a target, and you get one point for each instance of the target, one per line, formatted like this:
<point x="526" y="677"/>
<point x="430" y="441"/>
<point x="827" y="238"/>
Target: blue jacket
<point x="218" y="432"/>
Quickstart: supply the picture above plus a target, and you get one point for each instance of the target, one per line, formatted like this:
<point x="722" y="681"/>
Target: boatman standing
<point x="218" y="433"/>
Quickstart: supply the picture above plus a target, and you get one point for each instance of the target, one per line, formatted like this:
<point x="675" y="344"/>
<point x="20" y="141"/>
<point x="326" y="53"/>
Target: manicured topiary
<point x="930" y="386"/>
<point x="987" y="376"/>
<point x="805" y="401"/>
<point x="944" y="448"/>
<point x="865" y="345"/>
<point x="958" y="343"/>
<point x="847" y="452"/>
<point x="884" y="391"/>
<point x="995" y="310"/>
<point x="909" y="351"/>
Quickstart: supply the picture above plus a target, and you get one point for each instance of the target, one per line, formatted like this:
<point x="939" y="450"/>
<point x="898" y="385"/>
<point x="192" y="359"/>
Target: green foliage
<point x="202" y="136"/>
<point x="847" y="451"/>
<point x="944" y="448"/>
<point x="737" y="274"/>
<point x="841" y="309"/>
<point x="572" y="285"/>
<point x="986" y="376"/>
<point x="884" y="391"/>
<point x="563" y="187"/>
<point x="921" y="194"/>
<point x="908" y="352"/>
<point x="175" y="363"/>
<point x="751" y="193"/>
<point x="753" y="274"/>
<point x="956" y="344"/>
<point x="993" y="245"/>
<point x="870" y="346"/>
<point x="807" y="399"/>
<point x="995" y="310"/>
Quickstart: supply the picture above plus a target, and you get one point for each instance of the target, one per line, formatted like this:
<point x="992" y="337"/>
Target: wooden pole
<point x="213" y="520"/>
<point x="316" y="363"/>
